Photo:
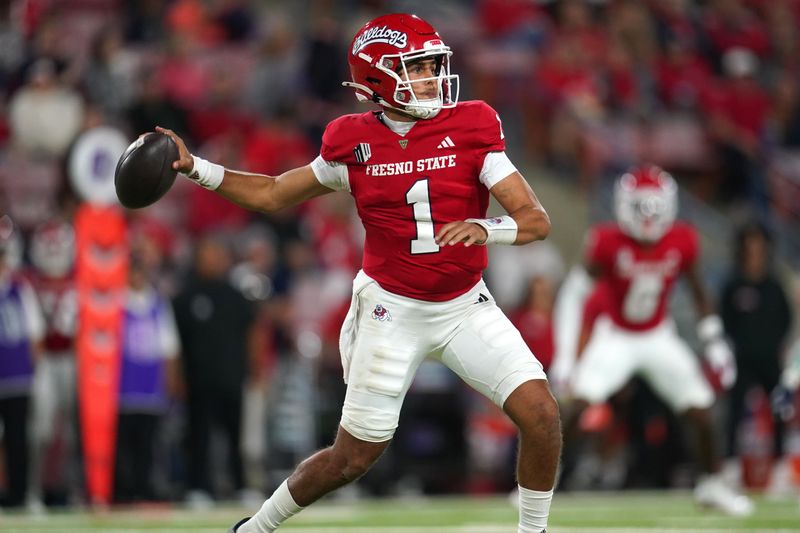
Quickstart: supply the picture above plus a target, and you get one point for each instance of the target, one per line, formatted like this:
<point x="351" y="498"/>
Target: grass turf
<point x="581" y="512"/>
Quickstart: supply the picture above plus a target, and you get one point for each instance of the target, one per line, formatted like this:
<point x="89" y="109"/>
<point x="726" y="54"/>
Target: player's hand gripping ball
<point x="144" y="172"/>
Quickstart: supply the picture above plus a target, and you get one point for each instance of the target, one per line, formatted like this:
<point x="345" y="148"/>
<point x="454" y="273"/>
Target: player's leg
<point x="45" y="404"/>
<point x="701" y="422"/>
<point x="200" y="409"/>
<point x="736" y="410"/>
<point x="229" y="415"/>
<point x="605" y="366"/>
<point x="69" y="476"/>
<point x="381" y="363"/>
<point x="534" y="410"/>
<point x="676" y="376"/>
<point x="488" y="353"/>
<point x="769" y="379"/>
<point x="15" y="422"/>
<point x="53" y="420"/>
<point x="573" y="439"/>
<point x="348" y="459"/>
<point x="711" y="489"/>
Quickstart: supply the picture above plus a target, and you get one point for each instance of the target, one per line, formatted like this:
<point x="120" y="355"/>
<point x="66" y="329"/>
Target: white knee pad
<point x="369" y="424"/>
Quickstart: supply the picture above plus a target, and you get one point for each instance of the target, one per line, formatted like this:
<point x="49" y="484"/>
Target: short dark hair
<point x="747" y="230"/>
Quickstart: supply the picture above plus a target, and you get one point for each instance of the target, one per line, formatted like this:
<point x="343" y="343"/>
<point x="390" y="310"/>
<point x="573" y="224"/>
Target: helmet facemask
<point x="645" y="213"/>
<point x="397" y="67"/>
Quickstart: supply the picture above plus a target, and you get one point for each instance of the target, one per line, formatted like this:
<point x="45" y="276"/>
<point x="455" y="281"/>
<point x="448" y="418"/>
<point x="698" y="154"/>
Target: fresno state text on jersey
<point x="407" y="187"/>
<point x="639" y="277"/>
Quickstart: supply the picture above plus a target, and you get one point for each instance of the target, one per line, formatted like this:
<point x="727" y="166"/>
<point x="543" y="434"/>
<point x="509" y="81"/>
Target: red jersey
<point x="59" y="303"/>
<point x="598" y="303"/>
<point x="640" y="277"/>
<point x="537" y="332"/>
<point x="407" y="187"/>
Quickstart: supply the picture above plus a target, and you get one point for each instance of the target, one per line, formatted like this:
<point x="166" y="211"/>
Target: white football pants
<point x="613" y="355"/>
<point x="385" y="337"/>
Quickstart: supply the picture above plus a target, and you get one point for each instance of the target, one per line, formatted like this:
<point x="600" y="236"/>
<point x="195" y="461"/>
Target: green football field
<point x="586" y="513"/>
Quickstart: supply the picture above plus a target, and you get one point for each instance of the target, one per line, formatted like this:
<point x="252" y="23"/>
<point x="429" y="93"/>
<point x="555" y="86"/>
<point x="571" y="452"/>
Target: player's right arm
<point x="266" y="193"/>
<point x="256" y="191"/>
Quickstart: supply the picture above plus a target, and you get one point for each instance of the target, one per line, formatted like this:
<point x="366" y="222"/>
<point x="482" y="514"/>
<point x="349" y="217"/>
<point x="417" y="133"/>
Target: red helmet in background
<point x="53" y="248"/>
<point x="378" y="59"/>
<point x="646" y="203"/>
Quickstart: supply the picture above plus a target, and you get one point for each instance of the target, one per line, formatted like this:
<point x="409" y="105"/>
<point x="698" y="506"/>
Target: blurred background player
<point x="215" y="322"/>
<point x="55" y="453"/>
<point x="148" y="377"/>
<point x="21" y="333"/>
<point x="785" y="397"/>
<point x="757" y="316"/>
<point x="784" y="400"/>
<point x="534" y="318"/>
<point x="420" y="291"/>
<point x="637" y="262"/>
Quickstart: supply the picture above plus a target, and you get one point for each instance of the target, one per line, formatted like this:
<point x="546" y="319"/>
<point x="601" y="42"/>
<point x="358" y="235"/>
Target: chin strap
<point x="375" y="97"/>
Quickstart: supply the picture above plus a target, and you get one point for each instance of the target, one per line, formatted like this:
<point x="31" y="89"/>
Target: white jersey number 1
<point x="419" y="197"/>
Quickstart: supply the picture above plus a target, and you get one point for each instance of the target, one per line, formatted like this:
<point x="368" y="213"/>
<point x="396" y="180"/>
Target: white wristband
<point x="709" y="328"/>
<point x="499" y="230"/>
<point x="206" y="174"/>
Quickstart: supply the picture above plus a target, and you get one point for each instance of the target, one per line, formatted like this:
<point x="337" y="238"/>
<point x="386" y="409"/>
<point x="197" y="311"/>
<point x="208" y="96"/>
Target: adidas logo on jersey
<point x="446" y="143"/>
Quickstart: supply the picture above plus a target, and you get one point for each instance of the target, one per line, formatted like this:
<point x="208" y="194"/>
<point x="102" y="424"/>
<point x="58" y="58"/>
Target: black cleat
<point x="235" y="527"/>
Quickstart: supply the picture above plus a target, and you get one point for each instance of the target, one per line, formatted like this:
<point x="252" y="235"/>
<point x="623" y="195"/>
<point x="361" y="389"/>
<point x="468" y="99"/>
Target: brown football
<point x="144" y="171"/>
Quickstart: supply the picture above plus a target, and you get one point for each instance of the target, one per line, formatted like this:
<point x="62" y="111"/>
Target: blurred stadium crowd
<point x="707" y="89"/>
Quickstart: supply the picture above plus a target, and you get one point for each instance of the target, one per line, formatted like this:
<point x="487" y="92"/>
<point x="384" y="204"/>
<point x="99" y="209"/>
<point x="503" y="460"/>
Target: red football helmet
<point x="378" y="58"/>
<point x="53" y="248"/>
<point x="646" y="203"/>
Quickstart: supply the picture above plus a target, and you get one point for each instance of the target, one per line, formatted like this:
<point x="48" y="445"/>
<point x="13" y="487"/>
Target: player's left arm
<point x="527" y="220"/>
<point x="710" y="330"/>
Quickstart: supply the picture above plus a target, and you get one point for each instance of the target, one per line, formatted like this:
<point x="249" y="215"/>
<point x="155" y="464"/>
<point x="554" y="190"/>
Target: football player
<point x="783" y="396"/>
<point x="635" y="264"/>
<point x="21" y="333"/>
<point x="52" y="253"/>
<point x="421" y="169"/>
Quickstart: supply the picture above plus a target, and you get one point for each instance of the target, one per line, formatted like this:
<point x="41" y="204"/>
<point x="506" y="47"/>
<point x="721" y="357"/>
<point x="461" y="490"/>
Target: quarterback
<point x="636" y="263"/>
<point x="421" y="169"/>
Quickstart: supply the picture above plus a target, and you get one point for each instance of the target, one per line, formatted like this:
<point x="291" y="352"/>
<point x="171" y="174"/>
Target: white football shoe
<point x="712" y="492"/>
